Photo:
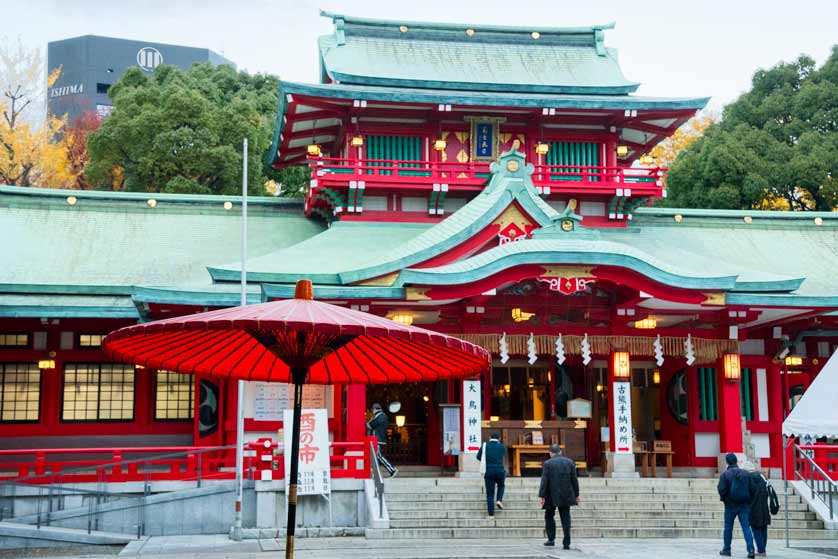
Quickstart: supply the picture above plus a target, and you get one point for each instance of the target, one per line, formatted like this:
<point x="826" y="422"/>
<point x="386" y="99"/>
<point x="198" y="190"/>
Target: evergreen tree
<point x="181" y="131"/>
<point x="776" y="146"/>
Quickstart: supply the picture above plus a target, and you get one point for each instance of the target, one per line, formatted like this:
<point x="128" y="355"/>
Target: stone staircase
<point x="644" y="508"/>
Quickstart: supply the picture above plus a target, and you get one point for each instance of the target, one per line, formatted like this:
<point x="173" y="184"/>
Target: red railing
<point x="825" y="456"/>
<point x="178" y="463"/>
<point x="471" y="175"/>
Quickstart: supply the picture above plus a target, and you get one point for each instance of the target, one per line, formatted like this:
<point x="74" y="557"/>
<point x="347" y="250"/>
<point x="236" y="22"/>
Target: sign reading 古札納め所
<point x="472" y="439"/>
<point x="314" y="476"/>
<point x="622" y="418"/>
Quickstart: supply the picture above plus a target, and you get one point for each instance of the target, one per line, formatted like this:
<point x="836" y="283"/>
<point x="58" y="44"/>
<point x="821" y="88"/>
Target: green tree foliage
<point x="181" y="131"/>
<point x="776" y="146"/>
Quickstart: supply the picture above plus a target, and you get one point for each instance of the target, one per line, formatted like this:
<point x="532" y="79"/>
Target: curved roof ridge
<point x="462" y="26"/>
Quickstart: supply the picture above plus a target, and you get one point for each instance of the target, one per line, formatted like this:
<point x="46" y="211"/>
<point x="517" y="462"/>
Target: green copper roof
<point x="107" y="243"/>
<point x="321" y="258"/>
<point x="66" y="306"/>
<point x="471" y="57"/>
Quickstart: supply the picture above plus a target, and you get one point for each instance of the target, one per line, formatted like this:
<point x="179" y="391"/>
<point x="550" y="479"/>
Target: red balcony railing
<point x="400" y="173"/>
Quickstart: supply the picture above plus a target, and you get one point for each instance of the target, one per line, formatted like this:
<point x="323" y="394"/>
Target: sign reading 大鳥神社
<point x="472" y="438"/>
<point x="622" y="418"/>
<point x="314" y="476"/>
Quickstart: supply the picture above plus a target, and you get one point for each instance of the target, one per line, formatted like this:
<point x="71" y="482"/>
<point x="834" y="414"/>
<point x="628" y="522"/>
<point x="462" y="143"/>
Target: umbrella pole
<point x="293" y="475"/>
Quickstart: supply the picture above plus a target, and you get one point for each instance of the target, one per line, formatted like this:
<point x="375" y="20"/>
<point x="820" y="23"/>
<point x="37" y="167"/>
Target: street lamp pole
<point x="236" y="532"/>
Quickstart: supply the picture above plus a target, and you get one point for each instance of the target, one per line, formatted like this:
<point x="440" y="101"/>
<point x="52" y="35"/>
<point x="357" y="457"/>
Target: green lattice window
<point x="708" y="398"/>
<point x="573" y="154"/>
<point x="746" y="393"/>
<point x="404" y="148"/>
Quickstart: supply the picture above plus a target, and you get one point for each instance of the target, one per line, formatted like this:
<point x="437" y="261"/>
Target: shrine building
<point x="487" y="182"/>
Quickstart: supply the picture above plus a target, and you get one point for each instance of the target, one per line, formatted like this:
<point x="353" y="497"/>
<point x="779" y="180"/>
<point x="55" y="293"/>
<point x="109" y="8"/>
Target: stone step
<point x="470" y="490"/>
<point x="602" y="523"/>
<point x="531" y="504"/>
<point x="584" y="532"/>
<point x="423" y="483"/>
<point x="581" y="513"/>
<point x="588" y="496"/>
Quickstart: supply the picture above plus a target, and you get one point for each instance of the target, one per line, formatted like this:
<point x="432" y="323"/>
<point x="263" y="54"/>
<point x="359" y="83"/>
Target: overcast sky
<point x="674" y="48"/>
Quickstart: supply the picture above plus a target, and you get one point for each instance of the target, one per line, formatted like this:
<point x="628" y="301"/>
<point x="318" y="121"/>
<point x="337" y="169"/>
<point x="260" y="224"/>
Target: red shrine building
<point x="486" y="182"/>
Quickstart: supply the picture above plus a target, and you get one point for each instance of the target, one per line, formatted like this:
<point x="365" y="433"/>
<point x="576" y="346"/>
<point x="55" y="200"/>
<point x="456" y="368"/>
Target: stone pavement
<point x="220" y="547"/>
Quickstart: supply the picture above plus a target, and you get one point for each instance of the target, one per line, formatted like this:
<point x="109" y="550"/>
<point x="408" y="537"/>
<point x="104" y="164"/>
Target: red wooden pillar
<point x="730" y="416"/>
<point x="356" y="408"/>
<point x="775" y="411"/>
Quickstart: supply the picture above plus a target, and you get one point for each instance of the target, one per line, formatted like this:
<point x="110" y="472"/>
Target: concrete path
<point x="220" y="547"/>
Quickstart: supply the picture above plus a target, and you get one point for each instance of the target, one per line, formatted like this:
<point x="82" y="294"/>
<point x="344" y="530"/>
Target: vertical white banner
<point x="622" y="418"/>
<point x="314" y="474"/>
<point x="472" y="399"/>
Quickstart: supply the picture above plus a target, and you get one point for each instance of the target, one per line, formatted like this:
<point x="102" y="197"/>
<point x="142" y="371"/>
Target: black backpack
<point x="740" y="487"/>
<point x="773" y="501"/>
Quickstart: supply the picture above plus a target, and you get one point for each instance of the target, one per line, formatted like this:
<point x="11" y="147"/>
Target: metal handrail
<point x="820" y="488"/>
<point x="378" y="481"/>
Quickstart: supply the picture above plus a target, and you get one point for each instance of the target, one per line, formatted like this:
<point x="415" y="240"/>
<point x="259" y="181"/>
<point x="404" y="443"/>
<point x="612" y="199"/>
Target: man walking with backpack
<point x="735" y="490"/>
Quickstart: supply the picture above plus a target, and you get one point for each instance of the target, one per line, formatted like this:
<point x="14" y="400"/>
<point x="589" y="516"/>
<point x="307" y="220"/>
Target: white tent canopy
<point x="816" y="414"/>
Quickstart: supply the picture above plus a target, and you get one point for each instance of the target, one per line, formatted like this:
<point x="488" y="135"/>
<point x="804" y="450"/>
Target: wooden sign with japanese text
<point x="314" y="474"/>
<point x="472" y="438"/>
<point x="622" y="418"/>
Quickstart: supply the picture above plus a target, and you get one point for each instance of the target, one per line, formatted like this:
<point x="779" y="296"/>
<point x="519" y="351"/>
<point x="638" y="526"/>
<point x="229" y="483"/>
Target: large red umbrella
<point x="297" y="341"/>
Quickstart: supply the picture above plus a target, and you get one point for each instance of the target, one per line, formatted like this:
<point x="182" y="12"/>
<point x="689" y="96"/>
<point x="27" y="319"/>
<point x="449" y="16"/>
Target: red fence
<point x="824" y="455"/>
<point x="172" y="463"/>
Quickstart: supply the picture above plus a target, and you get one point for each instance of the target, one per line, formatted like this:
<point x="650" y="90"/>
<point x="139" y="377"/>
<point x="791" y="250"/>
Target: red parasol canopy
<point x="299" y="341"/>
<point x="261" y="343"/>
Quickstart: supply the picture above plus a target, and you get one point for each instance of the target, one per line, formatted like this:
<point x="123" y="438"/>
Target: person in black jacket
<point x="559" y="489"/>
<point x="377" y="426"/>
<point x="760" y="515"/>
<point x="735" y="490"/>
<point x="495" y="473"/>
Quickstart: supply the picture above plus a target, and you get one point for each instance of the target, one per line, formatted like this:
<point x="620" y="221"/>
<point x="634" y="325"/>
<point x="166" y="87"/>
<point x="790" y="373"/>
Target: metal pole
<point x="786" y="488"/>
<point x="236" y="532"/>
<point x="299" y="379"/>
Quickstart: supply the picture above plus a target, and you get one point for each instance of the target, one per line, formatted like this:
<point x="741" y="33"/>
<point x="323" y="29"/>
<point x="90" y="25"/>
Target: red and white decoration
<point x="512" y="233"/>
<point x="566" y="286"/>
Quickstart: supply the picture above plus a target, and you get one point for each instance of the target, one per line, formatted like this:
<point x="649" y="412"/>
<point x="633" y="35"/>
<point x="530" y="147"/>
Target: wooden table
<point x="519" y="449"/>
<point x="644" y="461"/>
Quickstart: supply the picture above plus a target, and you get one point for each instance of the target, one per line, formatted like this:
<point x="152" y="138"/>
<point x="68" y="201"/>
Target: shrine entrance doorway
<point x="409" y="428"/>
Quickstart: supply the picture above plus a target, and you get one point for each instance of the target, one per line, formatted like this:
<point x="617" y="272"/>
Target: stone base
<point x="468" y="466"/>
<point x="742" y="459"/>
<point x="621" y="466"/>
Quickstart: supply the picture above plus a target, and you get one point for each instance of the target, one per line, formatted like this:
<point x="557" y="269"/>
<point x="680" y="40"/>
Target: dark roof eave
<point x="599" y="102"/>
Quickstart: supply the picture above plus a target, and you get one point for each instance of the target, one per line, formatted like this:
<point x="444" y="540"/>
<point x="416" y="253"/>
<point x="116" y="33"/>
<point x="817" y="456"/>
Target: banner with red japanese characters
<point x="314" y="475"/>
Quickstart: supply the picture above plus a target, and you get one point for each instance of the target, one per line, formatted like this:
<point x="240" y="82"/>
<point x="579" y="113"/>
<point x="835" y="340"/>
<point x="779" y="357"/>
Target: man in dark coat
<point x="760" y="515"/>
<point x="559" y="489"/>
<point x="495" y="474"/>
<point x="735" y="490"/>
<point x="377" y="426"/>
